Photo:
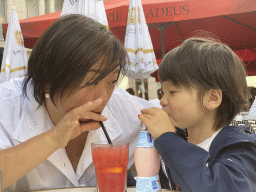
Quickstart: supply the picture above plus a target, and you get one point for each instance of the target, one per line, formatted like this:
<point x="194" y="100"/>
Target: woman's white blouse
<point x="252" y="111"/>
<point x="20" y="120"/>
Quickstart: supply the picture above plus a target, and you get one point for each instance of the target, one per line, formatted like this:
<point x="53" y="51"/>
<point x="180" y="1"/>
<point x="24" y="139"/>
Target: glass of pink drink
<point x="110" y="161"/>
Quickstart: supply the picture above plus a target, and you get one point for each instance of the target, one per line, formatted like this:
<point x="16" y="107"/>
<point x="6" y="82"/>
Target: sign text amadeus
<point x="153" y="13"/>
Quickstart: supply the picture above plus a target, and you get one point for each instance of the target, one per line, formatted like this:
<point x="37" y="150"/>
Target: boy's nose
<point x="163" y="102"/>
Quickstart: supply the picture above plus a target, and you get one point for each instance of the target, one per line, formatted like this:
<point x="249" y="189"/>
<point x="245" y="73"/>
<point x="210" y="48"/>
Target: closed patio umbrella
<point x="139" y="45"/>
<point x="91" y="8"/>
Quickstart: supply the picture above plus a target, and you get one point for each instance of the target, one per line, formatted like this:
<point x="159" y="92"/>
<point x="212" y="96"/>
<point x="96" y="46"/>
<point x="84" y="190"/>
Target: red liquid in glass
<point x="111" y="167"/>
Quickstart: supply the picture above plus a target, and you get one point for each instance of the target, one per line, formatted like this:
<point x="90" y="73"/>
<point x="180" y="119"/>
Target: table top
<point x="87" y="189"/>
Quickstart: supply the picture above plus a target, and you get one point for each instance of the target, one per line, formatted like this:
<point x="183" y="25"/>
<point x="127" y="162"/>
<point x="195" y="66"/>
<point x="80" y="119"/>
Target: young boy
<point x="204" y="88"/>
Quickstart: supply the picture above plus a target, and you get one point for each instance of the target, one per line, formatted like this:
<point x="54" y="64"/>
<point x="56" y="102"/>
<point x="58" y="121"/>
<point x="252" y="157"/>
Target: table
<point x="88" y="189"/>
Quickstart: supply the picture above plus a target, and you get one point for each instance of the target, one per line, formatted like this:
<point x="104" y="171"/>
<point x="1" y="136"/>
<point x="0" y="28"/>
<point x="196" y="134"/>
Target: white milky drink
<point x="147" y="163"/>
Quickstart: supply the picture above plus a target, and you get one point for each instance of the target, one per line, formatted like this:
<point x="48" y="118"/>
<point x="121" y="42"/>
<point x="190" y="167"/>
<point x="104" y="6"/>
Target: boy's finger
<point x="147" y="116"/>
<point x="151" y="111"/>
<point x="144" y="119"/>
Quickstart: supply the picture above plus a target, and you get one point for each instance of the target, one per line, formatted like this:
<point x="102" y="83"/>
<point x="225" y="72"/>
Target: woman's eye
<point x="93" y="83"/>
<point x="113" y="82"/>
<point x="171" y="92"/>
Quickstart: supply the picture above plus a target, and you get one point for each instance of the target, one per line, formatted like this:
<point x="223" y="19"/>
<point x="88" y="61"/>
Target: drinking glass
<point x="110" y="161"/>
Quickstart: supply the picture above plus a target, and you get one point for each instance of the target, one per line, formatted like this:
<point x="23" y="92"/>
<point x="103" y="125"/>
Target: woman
<point x="46" y="117"/>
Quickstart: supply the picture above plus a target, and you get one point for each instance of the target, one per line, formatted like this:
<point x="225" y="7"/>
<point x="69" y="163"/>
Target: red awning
<point x="233" y="22"/>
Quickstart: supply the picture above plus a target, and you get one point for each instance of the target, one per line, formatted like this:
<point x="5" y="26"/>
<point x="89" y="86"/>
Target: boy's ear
<point x="212" y="99"/>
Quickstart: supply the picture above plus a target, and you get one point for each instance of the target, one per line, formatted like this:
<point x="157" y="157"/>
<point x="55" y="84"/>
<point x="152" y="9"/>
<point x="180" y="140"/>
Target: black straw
<point x="106" y="133"/>
<point x="1" y="178"/>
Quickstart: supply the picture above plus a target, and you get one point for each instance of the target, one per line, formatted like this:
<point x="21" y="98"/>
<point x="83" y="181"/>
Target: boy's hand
<point x="157" y="121"/>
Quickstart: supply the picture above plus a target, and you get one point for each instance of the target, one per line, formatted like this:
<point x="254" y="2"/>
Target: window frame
<point x="5" y="11"/>
<point x="46" y="7"/>
<point x="37" y="8"/>
<point x="61" y="2"/>
<point x="5" y="18"/>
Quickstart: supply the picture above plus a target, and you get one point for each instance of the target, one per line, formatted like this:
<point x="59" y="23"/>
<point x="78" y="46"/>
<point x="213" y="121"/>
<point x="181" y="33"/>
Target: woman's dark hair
<point x="1" y="56"/>
<point x="130" y="90"/>
<point x="66" y="51"/>
<point x="206" y="63"/>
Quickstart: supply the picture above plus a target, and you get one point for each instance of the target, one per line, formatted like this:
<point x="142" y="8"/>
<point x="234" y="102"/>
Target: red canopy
<point x="172" y="21"/>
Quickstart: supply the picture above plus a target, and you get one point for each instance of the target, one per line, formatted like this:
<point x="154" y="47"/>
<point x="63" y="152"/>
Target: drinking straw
<point x="1" y="188"/>
<point x="106" y="133"/>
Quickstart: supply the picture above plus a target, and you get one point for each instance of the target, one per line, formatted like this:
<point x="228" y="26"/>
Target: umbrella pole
<point x="163" y="42"/>
<point x="161" y="28"/>
<point x="143" y="89"/>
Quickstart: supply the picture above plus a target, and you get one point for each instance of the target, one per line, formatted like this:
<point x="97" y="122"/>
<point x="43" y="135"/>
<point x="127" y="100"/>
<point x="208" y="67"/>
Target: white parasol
<point x="14" y="64"/>
<point x="91" y="8"/>
<point x="138" y="44"/>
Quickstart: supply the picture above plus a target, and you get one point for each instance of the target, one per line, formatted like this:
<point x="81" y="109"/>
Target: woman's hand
<point x="75" y="122"/>
<point x="157" y="121"/>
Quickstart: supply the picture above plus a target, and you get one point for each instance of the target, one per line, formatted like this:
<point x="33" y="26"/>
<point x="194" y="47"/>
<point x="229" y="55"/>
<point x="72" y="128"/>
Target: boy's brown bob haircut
<point x="205" y="63"/>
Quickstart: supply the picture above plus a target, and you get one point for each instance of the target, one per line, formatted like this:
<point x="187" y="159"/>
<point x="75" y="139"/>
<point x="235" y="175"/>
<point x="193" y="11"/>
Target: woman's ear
<point x="47" y="88"/>
<point x="212" y="99"/>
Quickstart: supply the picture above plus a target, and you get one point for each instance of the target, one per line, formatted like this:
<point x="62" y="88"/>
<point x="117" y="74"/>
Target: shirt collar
<point x="207" y="142"/>
<point x="34" y="120"/>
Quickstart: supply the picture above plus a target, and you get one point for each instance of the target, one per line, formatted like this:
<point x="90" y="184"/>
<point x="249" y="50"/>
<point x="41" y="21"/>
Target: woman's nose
<point x="101" y="93"/>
